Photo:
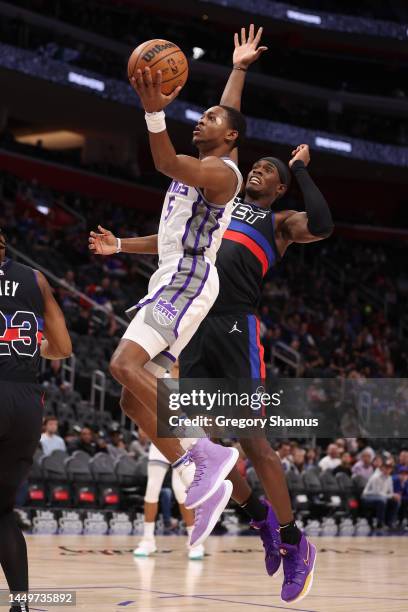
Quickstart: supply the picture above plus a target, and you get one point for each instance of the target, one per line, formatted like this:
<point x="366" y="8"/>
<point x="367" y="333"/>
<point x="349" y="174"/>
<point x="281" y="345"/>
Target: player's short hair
<point x="237" y="122"/>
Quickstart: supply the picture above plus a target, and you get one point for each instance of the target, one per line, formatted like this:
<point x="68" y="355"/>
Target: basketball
<point x="159" y="54"/>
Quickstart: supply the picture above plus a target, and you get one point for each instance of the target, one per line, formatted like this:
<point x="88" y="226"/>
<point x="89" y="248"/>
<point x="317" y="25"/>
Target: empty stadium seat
<point x="130" y="472"/>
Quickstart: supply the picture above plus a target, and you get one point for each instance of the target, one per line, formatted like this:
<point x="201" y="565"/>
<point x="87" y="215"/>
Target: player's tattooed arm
<point x="57" y="342"/>
<point x="246" y="52"/>
<point x="104" y="242"/>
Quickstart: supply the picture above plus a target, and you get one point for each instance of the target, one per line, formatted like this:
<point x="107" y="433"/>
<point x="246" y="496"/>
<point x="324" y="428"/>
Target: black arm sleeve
<point x="319" y="219"/>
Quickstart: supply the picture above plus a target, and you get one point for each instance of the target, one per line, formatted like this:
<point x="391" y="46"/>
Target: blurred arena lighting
<point x="335" y="145"/>
<point x="44" y="210"/>
<point x="198" y="52"/>
<point x="80" y="79"/>
<point x="192" y="115"/>
<point x="58" y="139"/>
<point x="285" y="11"/>
<point x="304" y="17"/>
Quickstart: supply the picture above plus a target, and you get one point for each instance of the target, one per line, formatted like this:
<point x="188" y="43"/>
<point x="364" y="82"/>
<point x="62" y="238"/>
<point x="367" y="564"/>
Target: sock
<point x="148" y="531"/>
<point x="254" y="508"/>
<point x="187" y="443"/>
<point x="185" y="471"/>
<point x="189" y="532"/>
<point x="290" y="533"/>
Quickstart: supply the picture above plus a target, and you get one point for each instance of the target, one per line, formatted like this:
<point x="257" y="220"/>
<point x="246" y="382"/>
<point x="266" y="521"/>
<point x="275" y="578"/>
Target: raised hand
<point x="301" y="152"/>
<point x="103" y="243"/>
<point x="149" y="90"/>
<point x="246" y="50"/>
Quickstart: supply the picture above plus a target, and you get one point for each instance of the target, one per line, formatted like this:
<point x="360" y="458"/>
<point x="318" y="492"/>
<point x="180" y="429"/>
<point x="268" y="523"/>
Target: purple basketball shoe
<point x="270" y="536"/>
<point x="213" y="463"/>
<point x="298" y="566"/>
<point x="207" y="514"/>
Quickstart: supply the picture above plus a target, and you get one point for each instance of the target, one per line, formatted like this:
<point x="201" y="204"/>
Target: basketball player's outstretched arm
<point x="314" y="224"/>
<point x="57" y="342"/>
<point x="246" y="52"/>
<point x="104" y="242"/>
<point x="210" y="172"/>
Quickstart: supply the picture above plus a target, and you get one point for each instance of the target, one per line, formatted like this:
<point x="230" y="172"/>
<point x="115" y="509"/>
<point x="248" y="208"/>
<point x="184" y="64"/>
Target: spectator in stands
<point x="363" y="445"/>
<point x="364" y="466"/>
<point x="86" y="442"/>
<point x="116" y="446"/>
<point x="283" y="452"/>
<point x="402" y="460"/>
<point x="341" y="444"/>
<point x="298" y="459"/>
<point x="400" y="483"/>
<point x="140" y="446"/>
<point x="378" y="462"/>
<point x="50" y="440"/>
<point x="331" y="460"/>
<point x="345" y="465"/>
<point x="310" y="458"/>
<point x="379" y="495"/>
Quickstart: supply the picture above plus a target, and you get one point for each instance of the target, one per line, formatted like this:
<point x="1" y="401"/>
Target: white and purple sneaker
<point x="213" y="463"/>
<point x="207" y="514"/>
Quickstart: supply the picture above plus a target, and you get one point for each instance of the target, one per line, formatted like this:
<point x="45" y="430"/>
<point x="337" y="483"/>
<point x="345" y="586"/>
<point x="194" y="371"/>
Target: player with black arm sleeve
<point x="227" y="343"/>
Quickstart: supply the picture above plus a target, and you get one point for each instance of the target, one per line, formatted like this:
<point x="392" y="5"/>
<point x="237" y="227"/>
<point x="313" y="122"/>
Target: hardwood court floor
<point x="352" y="574"/>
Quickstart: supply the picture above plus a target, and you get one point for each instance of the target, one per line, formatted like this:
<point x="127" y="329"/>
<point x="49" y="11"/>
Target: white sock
<point x="148" y="531"/>
<point x="187" y="443"/>
<point x="186" y="473"/>
<point x="190" y="531"/>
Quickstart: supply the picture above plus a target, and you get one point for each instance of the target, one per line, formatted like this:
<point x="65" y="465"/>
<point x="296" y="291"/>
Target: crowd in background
<point x="317" y="309"/>
<point x="381" y="475"/>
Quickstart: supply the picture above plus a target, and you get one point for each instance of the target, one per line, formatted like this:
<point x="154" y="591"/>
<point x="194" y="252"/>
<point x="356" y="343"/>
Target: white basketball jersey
<point x="189" y="224"/>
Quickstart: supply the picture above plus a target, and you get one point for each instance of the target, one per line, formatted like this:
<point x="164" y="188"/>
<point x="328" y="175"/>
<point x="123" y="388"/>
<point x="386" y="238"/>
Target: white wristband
<point x="119" y="245"/>
<point x="156" y="122"/>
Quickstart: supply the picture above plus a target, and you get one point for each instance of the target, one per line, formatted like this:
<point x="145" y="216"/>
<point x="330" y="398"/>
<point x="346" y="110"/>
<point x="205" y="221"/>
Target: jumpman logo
<point x="235" y="328"/>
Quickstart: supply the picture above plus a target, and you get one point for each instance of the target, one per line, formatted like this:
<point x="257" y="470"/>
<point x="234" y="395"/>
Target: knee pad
<point x="156" y="473"/>
<point x="179" y="488"/>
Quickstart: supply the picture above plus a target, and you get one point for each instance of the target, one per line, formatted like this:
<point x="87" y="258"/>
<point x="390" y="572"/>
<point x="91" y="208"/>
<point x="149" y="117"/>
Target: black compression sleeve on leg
<point x="13" y="549"/>
<point x="319" y="219"/>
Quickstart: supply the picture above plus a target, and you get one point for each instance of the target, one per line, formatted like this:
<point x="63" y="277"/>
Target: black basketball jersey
<point x="21" y="322"/>
<point x="247" y="251"/>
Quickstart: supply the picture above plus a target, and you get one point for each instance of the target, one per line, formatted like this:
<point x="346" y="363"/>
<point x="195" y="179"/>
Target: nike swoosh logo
<point x="306" y="561"/>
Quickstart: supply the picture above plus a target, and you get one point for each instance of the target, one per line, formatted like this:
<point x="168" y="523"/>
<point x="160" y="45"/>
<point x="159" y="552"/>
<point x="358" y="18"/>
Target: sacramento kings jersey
<point x="191" y="225"/>
<point x="21" y="322"/>
<point x="247" y="252"/>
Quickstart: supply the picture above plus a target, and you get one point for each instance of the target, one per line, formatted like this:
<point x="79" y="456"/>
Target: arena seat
<point x="128" y="471"/>
<point x="57" y="489"/>
<point x="84" y="494"/>
<point x="102" y="468"/>
<point x="297" y="492"/>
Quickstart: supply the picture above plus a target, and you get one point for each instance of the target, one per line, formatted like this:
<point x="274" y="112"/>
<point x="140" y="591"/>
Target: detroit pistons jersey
<point x="191" y="225"/>
<point x="21" y="322"/>
<point x="247" y="252"/>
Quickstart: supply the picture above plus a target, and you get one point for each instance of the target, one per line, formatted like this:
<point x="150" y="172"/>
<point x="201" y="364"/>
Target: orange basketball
<point x="159" y="54"/>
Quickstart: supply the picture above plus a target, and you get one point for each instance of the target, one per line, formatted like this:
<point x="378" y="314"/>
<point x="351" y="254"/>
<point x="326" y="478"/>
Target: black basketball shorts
<point x="224" y="346"/>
